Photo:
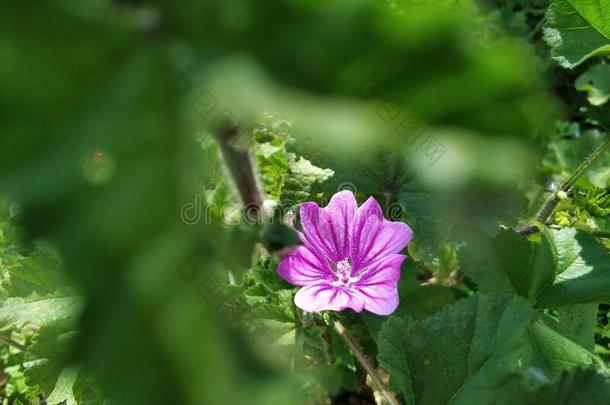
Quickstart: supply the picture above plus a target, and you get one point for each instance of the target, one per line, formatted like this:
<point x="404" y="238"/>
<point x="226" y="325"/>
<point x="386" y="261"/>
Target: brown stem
<point x="11" y="342"/>
<point x="551" y="203"/>
<point x="239" y="163"/>
<point x="364" y="362"/>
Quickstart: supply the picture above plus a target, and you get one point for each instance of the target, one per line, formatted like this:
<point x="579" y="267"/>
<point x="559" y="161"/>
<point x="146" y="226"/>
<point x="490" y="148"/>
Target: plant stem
<point x="601" y="234"/>
<point x="239" y="163"/>
<point x="551" y="203"/>
<point x="364" y="362"/>
<point x="11" y="342"/>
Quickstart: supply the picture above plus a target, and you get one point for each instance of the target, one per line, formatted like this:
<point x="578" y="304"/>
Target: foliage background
<point x="129" y="275"/>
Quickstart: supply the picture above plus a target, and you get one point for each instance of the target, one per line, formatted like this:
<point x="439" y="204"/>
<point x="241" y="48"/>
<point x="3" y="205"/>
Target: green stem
<point x="365" y="363"/>
<point x="551" y="203"/>
<point x="601" y="234"/>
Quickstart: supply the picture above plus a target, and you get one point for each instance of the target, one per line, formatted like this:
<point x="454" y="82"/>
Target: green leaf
<point x="596" y="202"/>
<point x="341" y="351"/>
<point x="583" y="273"/>
<point x="565" y="154"/>
<point x="303" y="175"/>
<point x="416" y="301"/>
<point x="262" y="280"/>
<point x="596" y="82"/>
<point x="64" y="388"/>
<point x="479" y="260"/>
<point x="574" y="387"/>
<point x="425" y="301"/>
<point x="16" y="312"/>
<point x="577" y="30"/>
<point x="476" y="351"/>
<point x="46" y="356"/>
<point x="576" y="322"/>
<point x="509" y="263"/>
<point x="553" y="353"/>
<point x="39" y="274"/>
<point x="271" y="155"/>
<point x="565" y="267"/>
<point x="285" y="176"/>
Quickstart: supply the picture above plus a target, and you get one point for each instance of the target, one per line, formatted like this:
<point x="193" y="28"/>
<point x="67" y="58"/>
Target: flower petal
<point x="303" y="267"/>
<point x="382" y="299"/>
<point x="378" y="286"/>
<point x="324" y="296"/>
<point x="383" y="270"/>
<point x="328" y="229"/>
<point x="374" y="237"/>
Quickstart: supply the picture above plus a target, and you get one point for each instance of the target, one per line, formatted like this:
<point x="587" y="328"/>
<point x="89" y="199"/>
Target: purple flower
<point x="349" y="257"/>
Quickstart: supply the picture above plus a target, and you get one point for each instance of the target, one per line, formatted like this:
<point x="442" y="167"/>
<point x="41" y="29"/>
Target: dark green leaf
<point x="577" y="30"/>
<point x="476" y="351"/>
<point x="583" y="273"/>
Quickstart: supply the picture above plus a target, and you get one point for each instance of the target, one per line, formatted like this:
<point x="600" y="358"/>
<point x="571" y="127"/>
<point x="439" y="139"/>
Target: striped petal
<point x="303" y="267"/>
<point x="328" y="229"/>
<point x="378" y="285"/>
<point x="374" y="237"/>
<point x="325" y="296"/>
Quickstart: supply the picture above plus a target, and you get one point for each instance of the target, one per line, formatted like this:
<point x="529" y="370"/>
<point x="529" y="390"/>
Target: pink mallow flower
<point x="349" y="257"/>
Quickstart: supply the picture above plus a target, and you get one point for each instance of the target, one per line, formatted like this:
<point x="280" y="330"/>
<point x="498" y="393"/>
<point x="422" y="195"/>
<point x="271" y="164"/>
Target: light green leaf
<point x="302" y="176"/>
<point x="64" y="388"/>
<point x="17" y="311"/>
<point x="596" y="82"/>
<point x="45" y="358"/>
<point x="577" y="30"/>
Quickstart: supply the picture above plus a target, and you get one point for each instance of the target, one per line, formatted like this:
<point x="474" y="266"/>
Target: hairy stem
<point x="551" y="203"/>
<point x="364" y="362"/>
<point x="11" y="342"/>
<point x="239" y="163"/>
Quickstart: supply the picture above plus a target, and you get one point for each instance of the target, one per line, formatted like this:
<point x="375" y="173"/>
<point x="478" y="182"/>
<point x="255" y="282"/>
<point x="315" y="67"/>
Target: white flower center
<point x="344" y="267"/>
<point x="343" y="272"/>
